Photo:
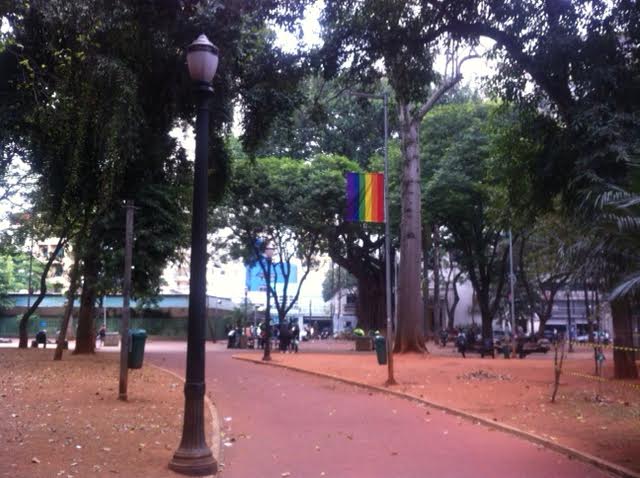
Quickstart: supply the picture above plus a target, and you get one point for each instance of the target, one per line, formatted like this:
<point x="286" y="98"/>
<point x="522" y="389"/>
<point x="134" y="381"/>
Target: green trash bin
<point x="137" y="339"/>
<point x="381" y="349"/>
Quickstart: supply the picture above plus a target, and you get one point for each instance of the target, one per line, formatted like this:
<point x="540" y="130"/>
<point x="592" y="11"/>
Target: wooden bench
<point x="364" y="344"/>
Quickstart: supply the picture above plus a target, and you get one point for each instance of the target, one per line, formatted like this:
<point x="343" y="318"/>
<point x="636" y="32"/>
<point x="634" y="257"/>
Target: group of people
<point x="287" y="335"/>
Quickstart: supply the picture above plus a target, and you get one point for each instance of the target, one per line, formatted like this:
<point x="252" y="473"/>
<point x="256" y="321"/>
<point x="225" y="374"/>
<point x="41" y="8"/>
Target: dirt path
<point x="63" y="419"/>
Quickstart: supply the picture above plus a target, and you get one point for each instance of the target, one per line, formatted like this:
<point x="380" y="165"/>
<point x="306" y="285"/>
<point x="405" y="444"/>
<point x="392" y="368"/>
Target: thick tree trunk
<point x="409" y="336"/>
<point x="624" y="363"/>
<point x="487" y="319"/>
<point x="86" y="335"/>
<point x="371" y="305"/>
<point x="23" y="343"/>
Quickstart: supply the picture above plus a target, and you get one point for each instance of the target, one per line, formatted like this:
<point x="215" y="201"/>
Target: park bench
<point x="364" y="344"/>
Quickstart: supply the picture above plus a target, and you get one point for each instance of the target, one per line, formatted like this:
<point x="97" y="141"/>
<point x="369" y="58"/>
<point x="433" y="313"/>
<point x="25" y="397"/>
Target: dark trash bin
<point x="137" y="339"/>
<point x="381" y="349"/>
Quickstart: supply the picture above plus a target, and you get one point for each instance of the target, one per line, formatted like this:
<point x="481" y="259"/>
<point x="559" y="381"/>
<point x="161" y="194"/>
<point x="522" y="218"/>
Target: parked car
<point x="602" y="337"/>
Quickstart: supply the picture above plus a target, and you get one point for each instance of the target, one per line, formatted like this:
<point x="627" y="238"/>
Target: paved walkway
<point x="281" y="423"/>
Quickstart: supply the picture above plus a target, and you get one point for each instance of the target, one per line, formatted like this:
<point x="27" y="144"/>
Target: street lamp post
<point x="268" y="254"/>
<point x="194" y="457"/>
<point x="387" y="232"/>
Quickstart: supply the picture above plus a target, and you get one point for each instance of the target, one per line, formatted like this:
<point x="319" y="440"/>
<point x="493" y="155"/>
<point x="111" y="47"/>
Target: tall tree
<point x="358" y="38"/>
<point x="459" y="197"/>
<point x="116" y="73"/>
<point x="275" y="201"/>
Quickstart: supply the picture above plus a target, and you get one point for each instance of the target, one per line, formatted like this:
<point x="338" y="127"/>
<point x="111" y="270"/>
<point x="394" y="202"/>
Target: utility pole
<point x="569" y="319"/>
<point x="436" y="284"/>
<point x="246" y="313"/>
<point x="511" y="277"/>
<point x="29" y="291"/>
<point x="512" y="301"/>
<point x="387" y="233"/>
<point x="126" y="292"/>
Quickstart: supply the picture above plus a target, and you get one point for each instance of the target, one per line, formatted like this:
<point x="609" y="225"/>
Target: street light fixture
<point x="268" y="255"/>
<point x="387" y="232"/>
<point x="194" y="457"/>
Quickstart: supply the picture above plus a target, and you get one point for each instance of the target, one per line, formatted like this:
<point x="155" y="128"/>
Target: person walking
<point x="284" y="336"/>
<point x="294" y="332"/>
<point x="461" y="343"/>
<point x="444" y="335"/>
<point x="102" y="333"/>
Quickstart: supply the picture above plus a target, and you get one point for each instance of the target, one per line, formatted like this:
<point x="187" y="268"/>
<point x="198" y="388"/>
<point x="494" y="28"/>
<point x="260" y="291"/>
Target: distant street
<point x="282" y="423"/>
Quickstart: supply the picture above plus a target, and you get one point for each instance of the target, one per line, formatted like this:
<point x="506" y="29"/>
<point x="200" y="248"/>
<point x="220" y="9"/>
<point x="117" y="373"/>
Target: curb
<point x="565" y="450"/>
<point x="216" y="445"/>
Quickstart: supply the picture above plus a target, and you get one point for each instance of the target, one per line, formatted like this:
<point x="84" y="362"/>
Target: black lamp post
<point x="268" y="254"/>
<point x="194" y="457"/>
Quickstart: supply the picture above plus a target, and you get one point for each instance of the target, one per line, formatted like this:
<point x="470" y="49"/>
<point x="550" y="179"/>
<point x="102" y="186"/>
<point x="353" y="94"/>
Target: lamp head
<point x="202" y="60"/>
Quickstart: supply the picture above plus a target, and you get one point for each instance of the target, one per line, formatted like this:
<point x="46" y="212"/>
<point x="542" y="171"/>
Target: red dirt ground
<point x="515" y="392"/>
<point x="64" y="419"/>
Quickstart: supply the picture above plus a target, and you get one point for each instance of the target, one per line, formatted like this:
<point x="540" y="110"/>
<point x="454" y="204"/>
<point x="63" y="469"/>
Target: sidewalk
<point x="64" y="419"/>
<point x="511" y="392"/>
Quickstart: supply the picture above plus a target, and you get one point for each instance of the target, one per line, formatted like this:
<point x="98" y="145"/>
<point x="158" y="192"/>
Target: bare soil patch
<point x="64" y="419"/>
<point x="602" y="419"/>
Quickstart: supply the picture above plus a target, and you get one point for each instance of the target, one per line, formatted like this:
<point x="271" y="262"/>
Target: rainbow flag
<point x="365" y="197"/>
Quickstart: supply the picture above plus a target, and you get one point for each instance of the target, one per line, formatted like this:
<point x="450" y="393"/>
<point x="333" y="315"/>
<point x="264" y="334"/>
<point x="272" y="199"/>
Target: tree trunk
<point x="623" y="360"/>
<point x="86" y="335"/>
<point x="23" y="343"/>
<point x="409" y="336"/>
<point x="487" y="320"/>
<point x="587" y="307"/>
<point x="71" y="295"/>
<point x="371" y="305"/>
<point x="451" y="312"/>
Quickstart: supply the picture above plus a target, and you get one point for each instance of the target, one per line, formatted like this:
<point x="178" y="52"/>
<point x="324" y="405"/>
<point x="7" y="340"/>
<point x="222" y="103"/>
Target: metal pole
<point x="387" y="246"/>
<point x="126" y="291"/>
<point x="512" y="301"/>
<point x="246" y="313"/>
<point x="387" y="235"/>
<point x="267" y="319"/>
<point x="569" y="320"/>
<point x="30" y="271"/>
<point x="194" y="457"/>
<point x="511" y="277"/>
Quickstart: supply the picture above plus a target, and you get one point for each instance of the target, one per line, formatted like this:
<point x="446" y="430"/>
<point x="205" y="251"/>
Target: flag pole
<point x="387" y="247"/>
<point x="387" y="234"/>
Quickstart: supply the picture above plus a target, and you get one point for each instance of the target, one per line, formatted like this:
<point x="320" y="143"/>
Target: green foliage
<point x="336" y="279"/>
<point x="330" y="121"/>
<point x="359" y="36"/>
<point x="14" y="272"/>
<point x="93" y="92"/>
<point x="460" y="195"/>
<point x="286" y="202"/>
